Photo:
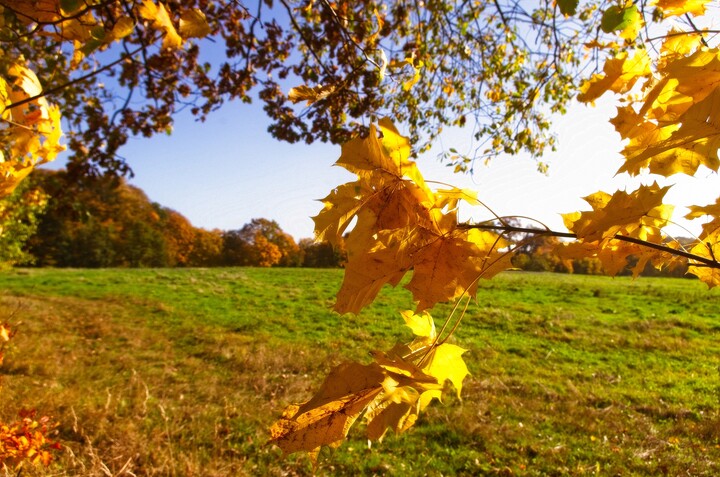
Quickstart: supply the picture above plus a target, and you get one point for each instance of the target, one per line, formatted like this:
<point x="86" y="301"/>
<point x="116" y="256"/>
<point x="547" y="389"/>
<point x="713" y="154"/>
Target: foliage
<point x="19" y="216"/>
<point x="105" y="222"/>
<point x="26" y="441"/>
<point x="322" y="254"/>
<point x="126" y="67"/>
<point x="99" y="222"/>
<point x="261" y="242"/>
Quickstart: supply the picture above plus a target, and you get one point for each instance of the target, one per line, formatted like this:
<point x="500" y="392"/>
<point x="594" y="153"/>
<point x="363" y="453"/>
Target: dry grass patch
<point x="133" y="399"/>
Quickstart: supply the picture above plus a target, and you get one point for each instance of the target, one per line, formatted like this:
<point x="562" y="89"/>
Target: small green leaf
<point x="616" y="18"/>
<point x="568" y="7"/>
<point x="70" y="6"/>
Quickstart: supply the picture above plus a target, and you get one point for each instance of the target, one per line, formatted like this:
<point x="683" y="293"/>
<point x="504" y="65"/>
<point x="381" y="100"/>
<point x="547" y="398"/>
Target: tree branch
<point x="711" y="263"/>
<point x="61" y="87"/>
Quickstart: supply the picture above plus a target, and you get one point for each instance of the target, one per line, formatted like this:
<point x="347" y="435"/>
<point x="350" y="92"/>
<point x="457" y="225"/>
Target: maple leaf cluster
<point x="31" y="135"/>
<point x="399" y="224"/>
<point x="388" y="393"/>
<point x="26" y="440"/>
<point x="670" y="121"/>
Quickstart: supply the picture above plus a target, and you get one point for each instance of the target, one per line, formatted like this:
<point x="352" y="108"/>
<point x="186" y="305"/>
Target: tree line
<point x="102" y="221"/>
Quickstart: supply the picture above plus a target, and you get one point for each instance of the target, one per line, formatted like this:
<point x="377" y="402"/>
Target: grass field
<point x="181" y="372"/>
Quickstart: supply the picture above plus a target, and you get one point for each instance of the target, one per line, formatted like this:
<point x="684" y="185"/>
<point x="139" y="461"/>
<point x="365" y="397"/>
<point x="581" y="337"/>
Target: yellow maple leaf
<point x="629" y="123"/>
<point x="681" y="7"/>
<point x="32" y="131"/>
<point x="640" y="214"/>
<point x="446" y="363"/>
<point x="326" y="418"/>
<point x="368" y="269"/>
<point x="193" y="24"/>
<point x="677" y="45"/>
<point x="160" y="19"/>
<point x="326" y="425"/>
<point x="398" y="405"/>
<point x="422" y="325"/>
<point x="387" y="414"/>
<point x="695" y="142"/>
<point x="123" y="27"/>
<point x="619" y="75"/>
<point x="340" y="207"/>
<point x="383" y="154"/>
<point x="708" y="248"/>
<point x="698" y="74"/>
<point x="712" y="211"/>
<point x="450" y="265"/>
<point x="449" y="198"/>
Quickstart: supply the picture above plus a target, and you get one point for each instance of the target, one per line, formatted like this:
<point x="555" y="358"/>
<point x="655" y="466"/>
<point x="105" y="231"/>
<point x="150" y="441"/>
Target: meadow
<point x="180" y="372"/>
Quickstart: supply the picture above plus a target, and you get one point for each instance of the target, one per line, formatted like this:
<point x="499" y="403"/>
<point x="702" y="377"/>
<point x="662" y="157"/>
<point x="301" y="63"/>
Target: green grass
<point x="181" y="372"/>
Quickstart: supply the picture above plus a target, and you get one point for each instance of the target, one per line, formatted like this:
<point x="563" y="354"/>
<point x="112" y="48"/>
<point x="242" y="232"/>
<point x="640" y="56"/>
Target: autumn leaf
<point x="694" y="143"/>
<point x="619" y="75"/>
<point x="310" y="95"/>
<point x="712" y="211"/>
<point x="399" y="225"/>
<point x="5" y="332"/>
<point x="422" y="325"/>
<point x="698" y="74"/>
<point x="326" y="418"/>
<point x="32" y="128"/>
<point x="678" y="44"/>
<point x="326" y="425"/>
<point x="123" y="27"/>
<point x="614" y="255"/>
<point x="193" y="24"/>
<point x="640" y="214"/>
<point x="368" y="269"/>
<point x="445" y="363"/>
<point x="387" y="392"/>
<point x="450" y="266"/>
<point x="671" y="8"/>
<point x="568" y="7"/>
<point x="160" y="19"/>
<point x="707" y="248"/>
<point x="416" y="67"/>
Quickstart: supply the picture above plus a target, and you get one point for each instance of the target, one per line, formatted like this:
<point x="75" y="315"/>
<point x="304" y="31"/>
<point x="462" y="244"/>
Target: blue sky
<point x="228" y="170"/>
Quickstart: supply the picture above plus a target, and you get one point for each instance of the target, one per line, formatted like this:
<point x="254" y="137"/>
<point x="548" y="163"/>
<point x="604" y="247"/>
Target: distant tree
<point x="264" y="252"/>
<point x="179" y="235"/>
<point x="250" y="245"/>
<point x="537" y="254"/>
<point x="207" y="248"/>
<point x="235" y="249"/>
<point x="321" y="254"/>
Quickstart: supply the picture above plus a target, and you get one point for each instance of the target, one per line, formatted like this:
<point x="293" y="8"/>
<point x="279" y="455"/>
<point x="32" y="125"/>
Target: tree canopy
<point x="126" y="67"/>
